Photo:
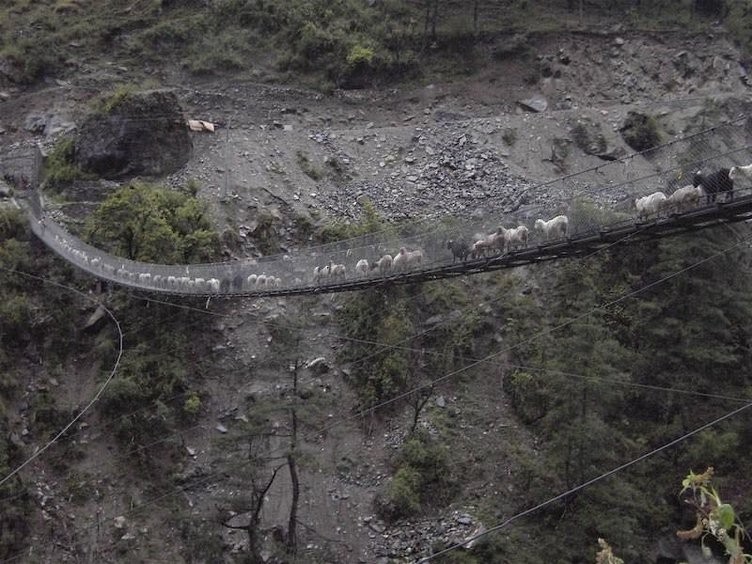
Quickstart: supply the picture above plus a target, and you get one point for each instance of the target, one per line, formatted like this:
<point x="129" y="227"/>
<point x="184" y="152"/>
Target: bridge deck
<point x="583" y="243"/>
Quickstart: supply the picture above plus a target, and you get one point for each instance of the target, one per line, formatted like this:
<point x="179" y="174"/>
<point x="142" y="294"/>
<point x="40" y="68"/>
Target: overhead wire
<point x="99" y="392"/>
<point x="326" y="428"/>
<point x="370" y="408"/>
<point x="588" y="483"/>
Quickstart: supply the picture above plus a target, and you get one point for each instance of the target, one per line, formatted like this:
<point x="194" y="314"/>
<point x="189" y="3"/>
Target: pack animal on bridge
<point x="715" y="183"/>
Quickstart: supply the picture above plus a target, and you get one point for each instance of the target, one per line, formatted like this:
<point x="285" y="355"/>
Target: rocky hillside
<point x="281" y="163"/>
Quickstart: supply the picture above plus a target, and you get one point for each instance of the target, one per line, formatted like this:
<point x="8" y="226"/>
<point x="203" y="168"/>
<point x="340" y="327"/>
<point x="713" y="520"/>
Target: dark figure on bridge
<point x="714" y="183"/>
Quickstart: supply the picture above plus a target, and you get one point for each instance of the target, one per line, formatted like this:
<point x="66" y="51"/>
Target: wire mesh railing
<point x="589" y="202"/>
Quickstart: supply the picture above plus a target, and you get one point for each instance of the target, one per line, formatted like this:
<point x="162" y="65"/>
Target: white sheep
<point x="213" y="285"/>
<point x="517" y="236"/>
<point x="414" y="258"/>
<point x="172" y="282"/>
<point x="651" y="204"/>
<point x="399" y="263"/>
<point x="685" y="197"/>
<point x="144" y="278"/>
<point x="261" y="281"/>
<point x="407" y="259"/>
<point x="200" y="284"/>
<point x="337" y="271"/>
<point x="556" y="227"/>
<point x="483" y="245"/>
<point x="383" y="265"/>
<point x="362" y="268"/>
<point x="251" y="280"/>
<point x="320" y="274"/>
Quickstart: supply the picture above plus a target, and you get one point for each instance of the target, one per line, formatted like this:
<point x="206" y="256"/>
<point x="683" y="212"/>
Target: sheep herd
<point x="498" y="242"/>
<point x="690" y="196"/>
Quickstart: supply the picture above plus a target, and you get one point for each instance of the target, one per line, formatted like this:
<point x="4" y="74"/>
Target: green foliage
<point x="360" y="56"/>
<point x="370" y="222"/>
<point x="16" y="514"/>
<point x="59" y="169"/>
<point x="606" y="555"/>
<point x="153" y="224"/>
<point x="422" y="479"/>
<point x="153" y="372"/>
<point x="714" y="518"/>
<point x="379" y="317"/>
<point x="28" y="59"/>
<point x="107" y="102"/>
<point x="691" y="331"/>
<point x="266" y="235"/>
<point x="192" y="405"/>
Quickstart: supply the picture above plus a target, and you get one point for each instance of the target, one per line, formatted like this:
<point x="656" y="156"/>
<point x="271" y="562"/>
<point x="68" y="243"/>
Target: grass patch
<point x="59" y="170"/>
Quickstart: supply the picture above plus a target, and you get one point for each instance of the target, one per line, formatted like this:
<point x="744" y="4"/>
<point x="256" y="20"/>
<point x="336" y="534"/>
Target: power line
<point x="589" y="482"/>
<point x="557" y="327"/>
<point x="455" y="372"/>
<point x="101" y="389"/>
<point x="384" y="346"/>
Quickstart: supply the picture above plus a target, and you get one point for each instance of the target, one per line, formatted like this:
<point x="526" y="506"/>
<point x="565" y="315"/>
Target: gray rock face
<point x="144" y="134"/>
<point x="536" y="103"/>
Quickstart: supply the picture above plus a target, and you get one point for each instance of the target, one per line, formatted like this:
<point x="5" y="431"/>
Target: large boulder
<point x="134" y="134"/>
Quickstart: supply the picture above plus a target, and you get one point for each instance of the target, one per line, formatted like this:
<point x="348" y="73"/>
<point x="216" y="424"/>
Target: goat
<point x="460" y="250"/>
<point x="712" y="184"/>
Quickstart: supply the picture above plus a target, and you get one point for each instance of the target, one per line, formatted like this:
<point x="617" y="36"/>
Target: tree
<point x="153" y="224"/>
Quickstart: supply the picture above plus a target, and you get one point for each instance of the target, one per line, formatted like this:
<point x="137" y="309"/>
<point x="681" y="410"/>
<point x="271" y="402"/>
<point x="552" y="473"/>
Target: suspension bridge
<point x="599" y="216"/>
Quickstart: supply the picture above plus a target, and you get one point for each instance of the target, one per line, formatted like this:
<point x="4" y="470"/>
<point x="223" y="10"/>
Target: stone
<point x="143" y="134"/>
<point x="119" y="522"/>
<point x="35" y="123"/>
<point x="318" y="366"/>
<point x="536" y="103"/>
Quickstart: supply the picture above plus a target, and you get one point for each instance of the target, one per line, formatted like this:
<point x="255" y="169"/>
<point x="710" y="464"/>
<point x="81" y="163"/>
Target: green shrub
<point x="403" y="494"/>
<point x="370" y="222"/>
<point x="422" y="479"/>
<point x="59" y="169"/>
<point x="154" y="224"/>
<point x="192" y="405"/>
<point x="109" y="101"/>
<point x="360" y="56"/>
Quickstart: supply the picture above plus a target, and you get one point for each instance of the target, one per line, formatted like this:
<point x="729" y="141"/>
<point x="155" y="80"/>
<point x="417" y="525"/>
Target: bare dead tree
<point x="258" y="493"/>
<point x="293" y="465"/>
<point x="418" y="400"/>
